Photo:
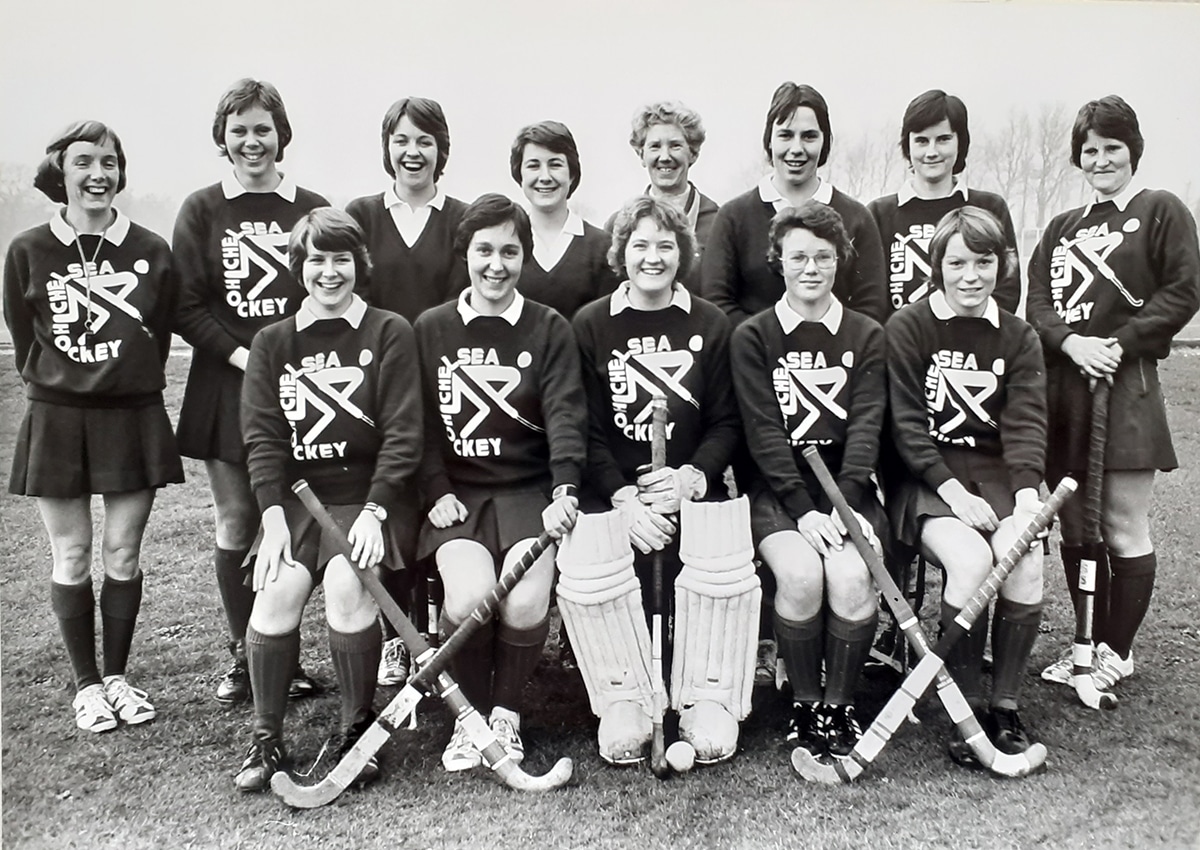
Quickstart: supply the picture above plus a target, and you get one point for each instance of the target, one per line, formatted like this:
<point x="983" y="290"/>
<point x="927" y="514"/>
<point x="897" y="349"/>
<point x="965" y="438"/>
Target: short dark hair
<point x="666" y="217"/>
<point x="787" y="99"/>
<point x="981" y="232"/>
<point x="554" y="137"/>
<point x="493" y="210"/>
<point x="49" y="176"/>
<point x="243" y="95"/>
<point x="930" y="108"/>
<point x="1111" y="118"/>
<point x="329" y="229"/>
<point x="667" y="112"/>
<point x="428" y="117"/>
<point x="821" y="220"/>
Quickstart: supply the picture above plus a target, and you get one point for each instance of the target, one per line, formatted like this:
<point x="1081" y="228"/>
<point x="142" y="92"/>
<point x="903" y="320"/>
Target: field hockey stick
<point x="932" y="664"/>
<point x="432" y="672"/>
<point x="1094" y="558"/>
<point x="658" y="742"/>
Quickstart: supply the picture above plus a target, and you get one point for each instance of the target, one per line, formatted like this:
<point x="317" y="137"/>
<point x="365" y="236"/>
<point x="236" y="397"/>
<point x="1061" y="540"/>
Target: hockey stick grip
<point x="658" y="739"/>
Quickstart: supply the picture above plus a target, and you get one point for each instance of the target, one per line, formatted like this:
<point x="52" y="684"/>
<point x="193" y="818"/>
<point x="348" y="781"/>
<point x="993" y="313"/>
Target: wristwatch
<point x="378" y="511"/>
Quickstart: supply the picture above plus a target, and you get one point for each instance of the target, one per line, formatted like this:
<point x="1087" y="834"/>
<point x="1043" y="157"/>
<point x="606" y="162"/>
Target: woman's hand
<point x="867" y="530"/>
<point x="559" y="516"/>
<point x="663" y="489"/>
<point x="1027" y="507"/>
<point x="275" y="549"/>
<point x="1095" y="356"/>
<point x="446" y="511"/>
<point x="366" y="538"/>
<point x="239" y="358"/>
<point x="648" y="531"/>
<point x="971" y="509"/>
<point x="821" y="532"/>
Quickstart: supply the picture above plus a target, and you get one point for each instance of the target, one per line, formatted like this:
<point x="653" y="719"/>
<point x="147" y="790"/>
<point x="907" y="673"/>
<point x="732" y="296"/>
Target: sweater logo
<point x="252" y="258"/>
<point x="474" y="384"/>
<point x="1079" y="262"/>
<point x="908" y="263"/>
<point x="312" y="397"/>
<point x="649" y="366"/>
<point x="957" y="393"/>
<point x="807" y="389"/>
<point x="83" y="301"/>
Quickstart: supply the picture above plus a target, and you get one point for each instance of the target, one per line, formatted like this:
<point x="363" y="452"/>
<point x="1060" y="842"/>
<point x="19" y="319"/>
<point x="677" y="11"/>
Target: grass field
<point x="1129" y="778"/>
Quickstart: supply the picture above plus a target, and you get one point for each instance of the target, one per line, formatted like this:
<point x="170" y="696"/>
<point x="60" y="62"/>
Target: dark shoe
<point x="304" y="685"/>
<point x="343" y="742"/>
<point x="887" y="655"/>
<point x="841" y="729"/>
<point x="1008" y="733"/>
<point x="962" y="754"/>
<point x="804" y="728"/>
<point x="262" y="760"/>
<point x="234" y="686"/>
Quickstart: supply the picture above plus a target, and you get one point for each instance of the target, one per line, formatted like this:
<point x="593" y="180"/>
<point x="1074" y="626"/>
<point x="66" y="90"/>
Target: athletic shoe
<point x="460" y="753"/>
<point x="234" y="686"/>
<point x="764" y="665"/>
<point x="805" y="728"/>
<point x="1060" y="671"/>
<point x="886" y="653"/>
<point x="1008" y="733"/>
<point x="129" y="703"/>
<point x="840" y="729"/>
<point x="960" y="751"/>
<point x="343" y="742"/>
<point x="394" y="663"/>
<point x="262" y="760"/>
<point x="1110" y="668"/>
<point x="93" y="713"/>
<point x="304" y="685"/>
<point x="506" y="726"/>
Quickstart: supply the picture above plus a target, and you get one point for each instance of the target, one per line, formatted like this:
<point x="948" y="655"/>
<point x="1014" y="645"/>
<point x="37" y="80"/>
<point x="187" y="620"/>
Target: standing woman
<point x="504" y="410"/>
<point x="1110" y="285"/>
<point x="230" y="246"/>
<point x="968" y="402"/>
<point x="569" y="266"/>
<point x="811" y="373"/>
<point x="796" y="139"/>
<point x="89" y="300"/>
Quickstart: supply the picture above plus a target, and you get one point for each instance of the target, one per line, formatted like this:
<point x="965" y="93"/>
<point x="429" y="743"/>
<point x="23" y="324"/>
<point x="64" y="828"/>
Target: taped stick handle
<point x="658" y="741"/>
<point x="1093" y="487"/>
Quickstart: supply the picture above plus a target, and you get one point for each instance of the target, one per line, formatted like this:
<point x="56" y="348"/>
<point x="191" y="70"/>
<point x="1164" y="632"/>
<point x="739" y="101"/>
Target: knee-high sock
<point x="120" y="602"/>
<point x="75" y="607"/>
<point x="399" y="585"/>
<point x="1071" y="556"/>
<point x="1129" y="599"/>
<point x="1013" y="634"/>
<point x="802" y="646"/>
<point x="847" y="644"/>
<point x="356" y="662"/>
<point x="964" y="662"/>
<point x="237" y="598"/>
<point x="273" y="660"/>
<point x="517" y="654"/>
<point x="471" y="666"/>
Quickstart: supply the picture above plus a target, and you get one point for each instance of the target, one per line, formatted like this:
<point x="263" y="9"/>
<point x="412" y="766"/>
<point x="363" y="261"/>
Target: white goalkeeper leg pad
<point x="600" y="600"/>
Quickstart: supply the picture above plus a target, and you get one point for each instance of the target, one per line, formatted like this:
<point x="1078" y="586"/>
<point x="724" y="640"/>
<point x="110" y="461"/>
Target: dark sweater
<point x="581" y="275"/>
<point x="232" y="260"/>
<point x="1150" y="249"/>
<point x="907" y="230"/>
<point x="338" y="406"/>
<point x="811" y="387"/>
<point x="683" y="354"/>
<point x="504" y="405"/>
<point x="735" y="275"/>
<point x="410" y="280"/>
<point x="964" y="383"/>
<point x="133" y="292"/>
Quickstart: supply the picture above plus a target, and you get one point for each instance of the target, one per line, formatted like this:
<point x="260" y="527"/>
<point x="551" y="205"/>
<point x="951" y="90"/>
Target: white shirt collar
<point x="511" y="314"/>
<point x="231" y="188"/>
<point x="1120" y="200"/>
<point x="549" y="252"/>
<point x="942" y="310"/>
<point x="391" y="199"/>
<point x="908" y="193"/>
<point x="789" y="319"/>
<point x="619" y="301"/>
<point x="116" y="232"/>
<point x="770" y="195"/>
<point x="353" y="315"/>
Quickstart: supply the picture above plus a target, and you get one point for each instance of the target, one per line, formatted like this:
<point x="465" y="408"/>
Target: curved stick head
<point x="304" y="796"/>
<point x="519" y="780"/>
<point x="810" y="769"/>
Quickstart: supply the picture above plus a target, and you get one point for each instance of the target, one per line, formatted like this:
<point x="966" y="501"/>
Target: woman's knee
<point x="467" y="573"/>
<point x="349" y="606"/>
<point x="799" y="574"/>
<point x="963" y="553"/>
<point x="848" y="585"/>
<point x="279" y="607"/>
<point x="528" y="602"/>
<point x="234" y="507"/>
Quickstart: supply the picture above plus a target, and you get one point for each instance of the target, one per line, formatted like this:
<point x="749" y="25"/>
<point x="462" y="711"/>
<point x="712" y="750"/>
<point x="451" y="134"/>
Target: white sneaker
<point x="506" y="726"/>
<point x="92" y="710"/>
<point x="393" y="663"/>
<point x="1060" y="671"/>
<point x="128" y="702"/>
<point x="460" y="753"/>
<point x="1110" y="668"/>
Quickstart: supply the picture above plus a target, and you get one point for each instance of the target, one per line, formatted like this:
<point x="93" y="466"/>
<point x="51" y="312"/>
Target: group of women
<point x="454" y="380"/>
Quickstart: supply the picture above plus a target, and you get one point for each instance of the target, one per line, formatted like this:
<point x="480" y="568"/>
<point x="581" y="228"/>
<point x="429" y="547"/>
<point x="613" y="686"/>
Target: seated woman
<point x="810" y="372"/>
<point x="331" y="395"/>
<point x="505" y="424"/>
<point x="968" y="401"/>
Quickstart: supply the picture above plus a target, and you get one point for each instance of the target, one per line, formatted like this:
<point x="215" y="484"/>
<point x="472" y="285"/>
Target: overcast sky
<point x="154" y="71"/>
